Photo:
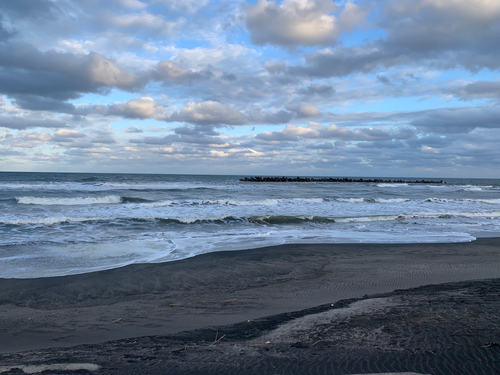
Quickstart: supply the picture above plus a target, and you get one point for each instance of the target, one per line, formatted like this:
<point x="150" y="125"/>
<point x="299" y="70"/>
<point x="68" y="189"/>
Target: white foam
<point x="444" y="200"/>
<point x="169" y="246"/>
<point x="154" y="204"/>
<point x="77" y="186"/>
<point x="351" y="200"/>
<point x="393" y="200"/>
<point x="372" y="200"/>
<point x="392" y="185"/>
<point x="236" y="202"/>
<point x="47" y="220"/>
<point x="455" y="214"/>
<point x="110" y="199"/>
<point x="159" y="186"/>
<point x="476" y="188"/>
<point x="366" y="219"/>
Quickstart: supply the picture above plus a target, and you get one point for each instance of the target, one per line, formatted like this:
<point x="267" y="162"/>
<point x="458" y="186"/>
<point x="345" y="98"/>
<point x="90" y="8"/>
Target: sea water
<point x="61" y="223"/>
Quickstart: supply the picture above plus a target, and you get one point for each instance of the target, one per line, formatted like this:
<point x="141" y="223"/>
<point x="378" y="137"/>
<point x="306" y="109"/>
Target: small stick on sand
<point x="489" y="345"/>
<point x="217" y="340"/>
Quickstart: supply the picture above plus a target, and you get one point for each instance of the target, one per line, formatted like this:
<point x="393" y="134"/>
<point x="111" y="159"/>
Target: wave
<point x="372" y="200"/>
<point x="282" y="219"/>
<point x="427" y="200"/>
<point x="265" y="219"/>
<point x="157" y="186"/>
<point x="224" y="202"/>
<point x="236" y="202"/>
<point x="110" y="199"/>
<point x="260" y="202"/>
<point x="476" y="188"/>
<point x="135" y="200"/>
<point x="105" y="186"/>
<point x="90" y="179"/>
<point x="392" y="185"/>
<point x="444" y="200"/>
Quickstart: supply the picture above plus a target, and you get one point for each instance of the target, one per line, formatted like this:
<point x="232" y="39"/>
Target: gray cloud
<point x="4" y="33"/>
<point x="195" y="138"/>
<point x="304" y="110"/>
<point x="141" y="108"/>
<point x="443" y="35"/>
<point x="60" y="76"/>
<point x="322" y="146"/>
<point x="196" y="130"/>
<point x="457" y="120"/>
<point x="103" y="137"/>
<point x="66" y="135"/>
<point x="134" y="130"/>
<point x="209" y="113"/>
<point x="32" y="102"/>
<point x="317" y="89"/>
<point x="274" y="68"/>
<point x="318" y="131"/>
<point x="195" y="134"/>
<point x="20" y="123"/>
<point x="279" y="117"/>
<point x="477" y="90"/>
<point x="169" y="72"/>
<point x="230" y="77"/>
<point x="28" y="8"/>
<point x="294" y="23"/>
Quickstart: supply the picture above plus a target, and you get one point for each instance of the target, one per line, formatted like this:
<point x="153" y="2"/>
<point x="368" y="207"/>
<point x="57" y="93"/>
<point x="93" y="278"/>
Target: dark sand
<point x="274" y="306"/>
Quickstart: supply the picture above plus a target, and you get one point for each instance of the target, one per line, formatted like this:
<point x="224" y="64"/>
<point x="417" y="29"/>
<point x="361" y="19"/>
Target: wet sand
<point x="281" y="296"/>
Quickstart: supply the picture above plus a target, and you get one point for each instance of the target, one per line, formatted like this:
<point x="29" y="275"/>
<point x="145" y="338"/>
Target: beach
<point x="286" y="309"/>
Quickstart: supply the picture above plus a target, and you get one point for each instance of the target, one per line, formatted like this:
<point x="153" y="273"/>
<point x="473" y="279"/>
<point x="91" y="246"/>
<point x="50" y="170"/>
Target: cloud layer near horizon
<point x="310" y="87"/>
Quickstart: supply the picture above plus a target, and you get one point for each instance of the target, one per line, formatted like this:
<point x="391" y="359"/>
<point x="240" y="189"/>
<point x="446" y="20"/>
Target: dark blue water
<point x="60" y="223"/>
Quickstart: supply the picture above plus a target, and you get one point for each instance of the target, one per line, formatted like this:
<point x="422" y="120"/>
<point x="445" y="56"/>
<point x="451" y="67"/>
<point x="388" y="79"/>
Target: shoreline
<point x="222" y="288"/>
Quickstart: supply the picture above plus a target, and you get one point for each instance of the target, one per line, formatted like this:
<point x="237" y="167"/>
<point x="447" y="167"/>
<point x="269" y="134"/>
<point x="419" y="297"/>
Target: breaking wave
<point x="110" y="199"/>
<point x="265" y="220"/>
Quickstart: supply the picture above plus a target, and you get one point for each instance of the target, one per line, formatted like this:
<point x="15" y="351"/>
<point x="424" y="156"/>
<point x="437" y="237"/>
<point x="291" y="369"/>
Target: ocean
<point x="55" y="224"/>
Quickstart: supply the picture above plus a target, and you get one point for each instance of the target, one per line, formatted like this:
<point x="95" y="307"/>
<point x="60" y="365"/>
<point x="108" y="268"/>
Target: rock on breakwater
<point x="331" y="179"/>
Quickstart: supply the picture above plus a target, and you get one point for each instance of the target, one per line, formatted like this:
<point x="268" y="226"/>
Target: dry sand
<point x="265" y="311"/>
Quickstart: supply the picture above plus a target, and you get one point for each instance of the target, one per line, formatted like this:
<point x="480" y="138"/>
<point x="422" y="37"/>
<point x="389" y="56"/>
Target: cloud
<point x="60" y="76"/>
<point x="37" y="103"/>
<point x="103" y="137"/>
<point x="134" y="130"/>
<point x="457" y="120"/>
<point x="142" y="108"/>
<point x="304" y="110"/>
<point x="299" y="22"/>
<point x="20" y="123"/>
<point x="28" y="8"/>
<point x="140" y="23"/>
<point x="274" y="68"/>
<point x="188" y="6"/>
<point x="476" y="90"/>
<point x="322" y="146"/>
<point x="66" y="135"/>
<point x="168" y="71"/>
<point x="209" y="113"/>
<point x="258" y="116"/>
<point x="438" y="33"/>
<point x="4" y="33"/>
<point x="317" y="89"/>
<point x="318" y="131"/>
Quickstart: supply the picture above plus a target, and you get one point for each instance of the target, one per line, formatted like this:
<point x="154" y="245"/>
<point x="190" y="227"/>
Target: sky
<point x="296" y="87"/>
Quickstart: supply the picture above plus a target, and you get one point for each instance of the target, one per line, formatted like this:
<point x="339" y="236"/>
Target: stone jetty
<point x="331" y="179"/>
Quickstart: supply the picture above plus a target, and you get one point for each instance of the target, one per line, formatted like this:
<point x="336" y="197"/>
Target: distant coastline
<point x="330" y="179"/>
